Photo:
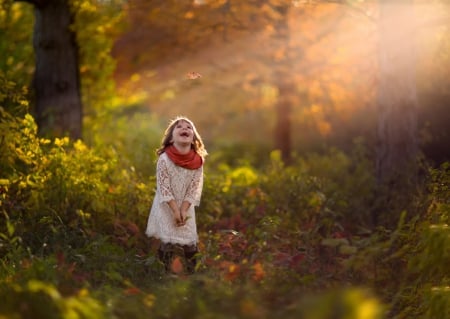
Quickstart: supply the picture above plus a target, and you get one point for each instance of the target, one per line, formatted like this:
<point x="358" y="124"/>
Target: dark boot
<point x="191" y="259"/>
<point x="165" y="256"/>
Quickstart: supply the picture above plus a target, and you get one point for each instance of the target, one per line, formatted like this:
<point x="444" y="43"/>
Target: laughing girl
<point x="179" y="179"/>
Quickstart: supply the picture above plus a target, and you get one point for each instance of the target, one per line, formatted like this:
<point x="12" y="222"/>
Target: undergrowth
<point x="275" y="241"/>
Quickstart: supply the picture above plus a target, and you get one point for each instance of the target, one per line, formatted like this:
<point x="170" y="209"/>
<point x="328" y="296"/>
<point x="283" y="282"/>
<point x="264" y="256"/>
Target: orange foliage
<point x="333" y="61"/>
<point x="258" y="272"/>
<point x="230" y="270"/>
<point x="177" y="265"/>
<point x="132" y="291"/>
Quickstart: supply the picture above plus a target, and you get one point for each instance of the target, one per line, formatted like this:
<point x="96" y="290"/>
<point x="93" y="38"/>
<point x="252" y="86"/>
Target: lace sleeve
<point x="163" y="180"/>
<point x="194" y="191"/>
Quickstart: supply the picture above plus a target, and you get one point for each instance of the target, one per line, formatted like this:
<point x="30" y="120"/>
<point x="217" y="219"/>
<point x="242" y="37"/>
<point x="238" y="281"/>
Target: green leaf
<point x="10" y="228"/>
<point x="334" y="242"/>
<point x="347" y="250"/>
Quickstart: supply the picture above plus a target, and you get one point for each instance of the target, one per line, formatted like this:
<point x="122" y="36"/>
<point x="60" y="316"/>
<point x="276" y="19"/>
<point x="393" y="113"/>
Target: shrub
<point x="408" y="266"/>
<point x="37" y="299"/>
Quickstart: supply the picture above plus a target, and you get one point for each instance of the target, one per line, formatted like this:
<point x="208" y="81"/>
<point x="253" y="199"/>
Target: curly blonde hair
<point x="198" y="146"/>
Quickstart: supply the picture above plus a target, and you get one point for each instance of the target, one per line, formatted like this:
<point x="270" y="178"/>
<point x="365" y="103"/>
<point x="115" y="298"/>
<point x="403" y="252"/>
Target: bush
<point x="37" y="299"/>
<point x="408" y="266"/>
<point x="74" y="220"/>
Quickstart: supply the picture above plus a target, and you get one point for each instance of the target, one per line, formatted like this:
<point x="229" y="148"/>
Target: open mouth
<point x="184" y="134"/>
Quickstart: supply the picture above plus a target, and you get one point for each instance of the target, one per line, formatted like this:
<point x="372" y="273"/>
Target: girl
<point x="179" y="183"/>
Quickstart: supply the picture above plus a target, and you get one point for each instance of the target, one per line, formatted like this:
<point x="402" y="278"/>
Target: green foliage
<point x="72" y="241"/>
<point x="419" y="247"/>
<point x="97" y="23"/>
<point x="63" y="191"/>
<point x="133" y="137"/>
<point x="12" y="99"/>
<point x="74" y="220"/>
<point x="16" y="25"/>
<point x="37" y="299"/>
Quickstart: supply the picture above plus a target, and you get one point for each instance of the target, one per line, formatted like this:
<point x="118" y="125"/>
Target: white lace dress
<point x="180" y="184"/>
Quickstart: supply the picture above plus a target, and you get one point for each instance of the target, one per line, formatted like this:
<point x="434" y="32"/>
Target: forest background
<point x="326" y="188"/>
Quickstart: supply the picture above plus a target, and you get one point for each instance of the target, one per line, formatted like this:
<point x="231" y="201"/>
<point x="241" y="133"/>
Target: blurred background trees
<point x="317" y="61"/>
<point x="333" y="64"/>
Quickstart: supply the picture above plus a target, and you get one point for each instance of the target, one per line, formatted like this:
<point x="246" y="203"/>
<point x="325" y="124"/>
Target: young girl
<point x="179" y="183"/>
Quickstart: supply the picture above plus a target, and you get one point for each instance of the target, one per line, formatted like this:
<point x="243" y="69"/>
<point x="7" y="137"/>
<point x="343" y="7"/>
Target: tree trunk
<point x="397" y="149"/>
<point x="283" y="140"/>
<point x="56" y="80"/>
<point x="397" y="98"/>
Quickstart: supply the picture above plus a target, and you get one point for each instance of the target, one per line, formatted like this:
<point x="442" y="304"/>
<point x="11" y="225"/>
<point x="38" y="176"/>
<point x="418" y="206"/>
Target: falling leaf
<point x="189" y="15"/>
<point x="193" y="75"/>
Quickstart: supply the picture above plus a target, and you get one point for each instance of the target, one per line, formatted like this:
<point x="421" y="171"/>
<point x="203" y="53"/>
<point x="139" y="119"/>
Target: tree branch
<point x="351" y="7"/>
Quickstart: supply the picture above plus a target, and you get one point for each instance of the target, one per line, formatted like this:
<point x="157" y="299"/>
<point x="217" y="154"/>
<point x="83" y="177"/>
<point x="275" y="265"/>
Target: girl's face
<point x="183" y="133"/>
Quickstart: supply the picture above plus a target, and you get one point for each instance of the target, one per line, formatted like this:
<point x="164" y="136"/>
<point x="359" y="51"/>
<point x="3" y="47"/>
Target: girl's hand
<point x="184" y="216"/>
<point x="183" y="211"/>
<point x="177" y="218"/>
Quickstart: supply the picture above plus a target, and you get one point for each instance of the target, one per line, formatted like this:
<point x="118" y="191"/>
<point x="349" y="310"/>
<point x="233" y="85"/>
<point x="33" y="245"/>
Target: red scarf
<point x="190" y="160"/>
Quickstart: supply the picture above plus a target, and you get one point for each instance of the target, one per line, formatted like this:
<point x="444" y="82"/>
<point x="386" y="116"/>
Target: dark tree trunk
<point x="397" y="149"/>
<point x="56" y="81"/>
<point x="283" y="108"/>
<point x="283" y="140"/>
